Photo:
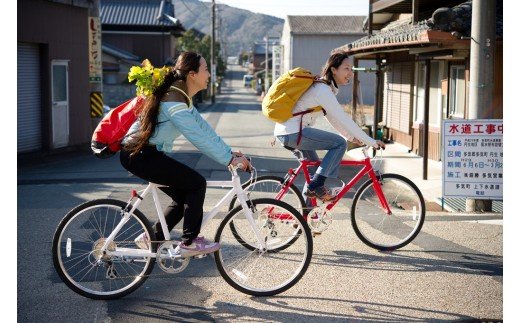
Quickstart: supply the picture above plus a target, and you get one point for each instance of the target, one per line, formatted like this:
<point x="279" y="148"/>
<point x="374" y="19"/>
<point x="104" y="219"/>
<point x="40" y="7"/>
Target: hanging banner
<point x="94" y="50"/>
<point x="473" y="159"/>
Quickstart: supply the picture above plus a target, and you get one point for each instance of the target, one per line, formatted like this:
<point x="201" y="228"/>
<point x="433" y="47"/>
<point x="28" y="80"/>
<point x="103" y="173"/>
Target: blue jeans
<point x="316" y="139"/>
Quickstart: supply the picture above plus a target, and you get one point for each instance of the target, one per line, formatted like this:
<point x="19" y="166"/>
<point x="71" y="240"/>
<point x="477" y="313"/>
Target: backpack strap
<point x="302" y="113"/>
<point x="186" y="96"/>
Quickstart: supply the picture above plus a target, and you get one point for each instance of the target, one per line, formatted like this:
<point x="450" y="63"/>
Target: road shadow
<point x="281" y="309"/>
<point x="402" y="261"/>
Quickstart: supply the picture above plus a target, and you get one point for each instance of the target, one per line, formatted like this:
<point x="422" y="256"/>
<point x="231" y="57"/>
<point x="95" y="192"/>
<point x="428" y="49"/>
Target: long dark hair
<point x="335" y="60"/>
<point x="185" y="63"/>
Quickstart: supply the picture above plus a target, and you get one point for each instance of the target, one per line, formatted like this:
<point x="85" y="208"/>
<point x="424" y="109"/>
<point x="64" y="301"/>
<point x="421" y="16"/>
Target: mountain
<point x="239" y="30"/>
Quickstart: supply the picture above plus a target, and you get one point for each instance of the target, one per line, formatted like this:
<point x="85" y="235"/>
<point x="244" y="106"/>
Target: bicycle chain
<point x="149" y="275"/>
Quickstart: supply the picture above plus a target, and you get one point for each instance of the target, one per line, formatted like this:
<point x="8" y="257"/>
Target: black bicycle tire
<point x="303" y="224"/>
<point x="277" y="179"/>
<point x="405" y="242"/>
<point x="55" y="245"/>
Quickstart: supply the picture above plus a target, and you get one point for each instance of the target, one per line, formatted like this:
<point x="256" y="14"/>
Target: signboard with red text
<point x="473" y="159"/>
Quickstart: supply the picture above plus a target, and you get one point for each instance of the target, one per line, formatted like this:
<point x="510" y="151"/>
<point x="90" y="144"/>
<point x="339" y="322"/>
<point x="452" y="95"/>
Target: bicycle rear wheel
<point x="268" y="187"/>
<point x="263" y="272"/>
<point x="382" y="231"/>
<point x="80" y="263"/>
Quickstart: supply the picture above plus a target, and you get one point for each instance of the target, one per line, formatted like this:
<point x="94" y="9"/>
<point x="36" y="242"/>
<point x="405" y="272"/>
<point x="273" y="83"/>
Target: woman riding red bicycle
<point x="337" y="71"/>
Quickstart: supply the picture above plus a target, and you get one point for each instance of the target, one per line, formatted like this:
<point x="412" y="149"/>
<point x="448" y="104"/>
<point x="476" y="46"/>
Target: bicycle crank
<point x="168" y="260"/>
<point x="319" y="220"/>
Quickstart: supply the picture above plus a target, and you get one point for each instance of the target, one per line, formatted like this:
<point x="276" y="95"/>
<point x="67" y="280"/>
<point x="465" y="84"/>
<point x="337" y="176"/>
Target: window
<point x="457" y="91"/>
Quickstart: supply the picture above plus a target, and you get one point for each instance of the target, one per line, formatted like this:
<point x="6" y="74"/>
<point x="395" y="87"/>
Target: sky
<point x="282" y="8"/>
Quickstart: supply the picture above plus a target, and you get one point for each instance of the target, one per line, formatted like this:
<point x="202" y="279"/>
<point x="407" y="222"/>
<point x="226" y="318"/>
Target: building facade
<point x="53" y="108"/>
<point x="408" y="44"/>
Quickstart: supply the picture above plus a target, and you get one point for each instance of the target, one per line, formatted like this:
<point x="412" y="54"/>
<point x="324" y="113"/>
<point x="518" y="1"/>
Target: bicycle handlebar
<point x="240" y="165"/>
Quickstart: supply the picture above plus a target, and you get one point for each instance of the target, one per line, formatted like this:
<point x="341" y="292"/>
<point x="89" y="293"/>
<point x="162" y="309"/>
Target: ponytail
<point x="146" y="84"/>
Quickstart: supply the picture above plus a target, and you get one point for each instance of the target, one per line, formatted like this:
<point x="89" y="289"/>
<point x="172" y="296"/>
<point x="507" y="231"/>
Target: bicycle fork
<point x="248" y="208"/>
<point x="379" y="192"/>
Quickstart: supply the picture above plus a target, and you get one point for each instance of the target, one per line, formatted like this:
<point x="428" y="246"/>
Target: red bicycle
<point x="387" y="211"/>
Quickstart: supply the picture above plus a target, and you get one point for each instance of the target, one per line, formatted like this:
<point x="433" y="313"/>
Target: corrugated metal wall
<point x="29" y="105"/>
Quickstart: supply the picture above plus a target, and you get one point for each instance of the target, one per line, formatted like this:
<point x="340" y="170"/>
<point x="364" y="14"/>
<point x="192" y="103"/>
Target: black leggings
<point x="185" y="186"/>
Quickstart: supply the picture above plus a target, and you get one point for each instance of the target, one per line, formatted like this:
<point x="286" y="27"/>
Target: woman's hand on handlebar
<point x="237" y="153"/>
<point x="379" y="144"/>
<point x="241" y="162"/>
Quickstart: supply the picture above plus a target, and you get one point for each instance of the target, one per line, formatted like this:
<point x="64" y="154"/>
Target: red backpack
<point x="106" y="139"/>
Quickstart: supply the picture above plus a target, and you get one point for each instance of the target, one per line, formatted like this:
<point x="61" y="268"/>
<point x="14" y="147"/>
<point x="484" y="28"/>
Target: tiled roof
<point x="138" y="12"/>
<point x="326" y="24"/>
<point x="119" y="53"/>
<point x="404" y="31"/>
<point x="401" y="32"/>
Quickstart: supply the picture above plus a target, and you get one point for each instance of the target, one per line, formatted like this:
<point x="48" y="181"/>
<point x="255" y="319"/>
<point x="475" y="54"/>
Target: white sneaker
<point x="143" y="241"/>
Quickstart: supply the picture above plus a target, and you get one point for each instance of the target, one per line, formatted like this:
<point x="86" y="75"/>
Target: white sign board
<point x="473" y="159"/>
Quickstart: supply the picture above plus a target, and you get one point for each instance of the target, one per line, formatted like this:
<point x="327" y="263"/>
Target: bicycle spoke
<point x="385" y="231"/>
<point x="82" y="265"/>
<point x="251" y="270"/>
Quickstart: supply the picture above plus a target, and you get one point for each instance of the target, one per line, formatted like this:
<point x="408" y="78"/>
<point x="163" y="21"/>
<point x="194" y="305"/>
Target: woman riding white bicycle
<point x="165" y="115"/>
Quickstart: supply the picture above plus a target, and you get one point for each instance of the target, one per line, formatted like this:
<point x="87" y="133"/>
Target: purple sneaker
<point x="199" y="246"/>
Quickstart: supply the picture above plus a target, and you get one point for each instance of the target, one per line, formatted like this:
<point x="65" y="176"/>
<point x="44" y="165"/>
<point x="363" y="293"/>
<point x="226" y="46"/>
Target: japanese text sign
<point x="473" y="159"/>
<point x="94" y="50"/>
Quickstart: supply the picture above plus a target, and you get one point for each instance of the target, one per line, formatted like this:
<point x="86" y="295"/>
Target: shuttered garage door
<point x="29" y="112"/>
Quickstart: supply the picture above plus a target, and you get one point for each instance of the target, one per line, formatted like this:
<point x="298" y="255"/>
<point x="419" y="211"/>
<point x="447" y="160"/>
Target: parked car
<point x="247" y="80"/>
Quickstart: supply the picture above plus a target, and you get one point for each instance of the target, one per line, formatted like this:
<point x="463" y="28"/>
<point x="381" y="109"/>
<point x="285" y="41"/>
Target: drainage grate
<point x="459" y="205"/>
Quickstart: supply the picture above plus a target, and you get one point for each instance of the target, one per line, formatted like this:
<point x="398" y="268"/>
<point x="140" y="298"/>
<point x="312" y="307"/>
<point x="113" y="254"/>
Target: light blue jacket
<point x="175" y="119"/>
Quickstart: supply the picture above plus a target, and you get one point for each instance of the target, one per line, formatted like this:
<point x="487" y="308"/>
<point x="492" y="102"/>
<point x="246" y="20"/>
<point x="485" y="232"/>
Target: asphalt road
<point x="453" y="271"/>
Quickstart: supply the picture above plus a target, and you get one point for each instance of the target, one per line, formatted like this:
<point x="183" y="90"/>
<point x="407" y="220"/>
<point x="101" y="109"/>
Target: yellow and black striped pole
<point x="96" y="104"/>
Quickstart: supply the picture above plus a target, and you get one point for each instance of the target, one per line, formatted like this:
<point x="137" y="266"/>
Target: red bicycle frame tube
<point x="367" y="169"/>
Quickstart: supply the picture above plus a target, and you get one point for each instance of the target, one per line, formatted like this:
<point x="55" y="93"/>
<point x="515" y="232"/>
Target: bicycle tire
<point x="273" y="266"/>
<point x="271" y="191"/>
<point x="66" y="250"/>
<point x="388" y="232"/>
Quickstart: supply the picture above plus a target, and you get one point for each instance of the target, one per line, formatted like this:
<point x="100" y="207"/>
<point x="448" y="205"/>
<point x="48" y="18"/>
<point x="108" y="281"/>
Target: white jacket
<point x="324" y="95"/>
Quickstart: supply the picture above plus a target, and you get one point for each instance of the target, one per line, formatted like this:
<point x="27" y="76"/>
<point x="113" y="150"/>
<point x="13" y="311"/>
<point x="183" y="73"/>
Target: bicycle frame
<point x="236" y="186"/>
<point x="366" y="170"/>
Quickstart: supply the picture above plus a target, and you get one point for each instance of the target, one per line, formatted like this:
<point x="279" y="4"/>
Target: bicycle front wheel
<point x="388" y="231"/>
<point x="269" y="271"/>
<point x="81" y="264"/>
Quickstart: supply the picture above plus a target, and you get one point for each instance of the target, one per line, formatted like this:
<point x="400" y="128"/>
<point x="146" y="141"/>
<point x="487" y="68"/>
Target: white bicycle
<point x="95" y="254"/>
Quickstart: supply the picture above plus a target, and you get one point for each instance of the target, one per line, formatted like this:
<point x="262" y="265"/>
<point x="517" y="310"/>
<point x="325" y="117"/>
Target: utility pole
<point x="266" y="77"/>
<point x="481" y="72"/>
<point x="213" y="68"/>
<point x="95" y="64"/>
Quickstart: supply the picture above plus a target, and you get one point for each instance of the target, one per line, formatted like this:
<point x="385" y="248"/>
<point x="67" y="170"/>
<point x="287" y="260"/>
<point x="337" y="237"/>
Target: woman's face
<point x="200" y="79"/>
<point x="343" y="74"/>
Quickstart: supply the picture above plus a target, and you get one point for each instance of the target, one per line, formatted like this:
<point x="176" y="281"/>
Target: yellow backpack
<point x="279" y="101"/>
